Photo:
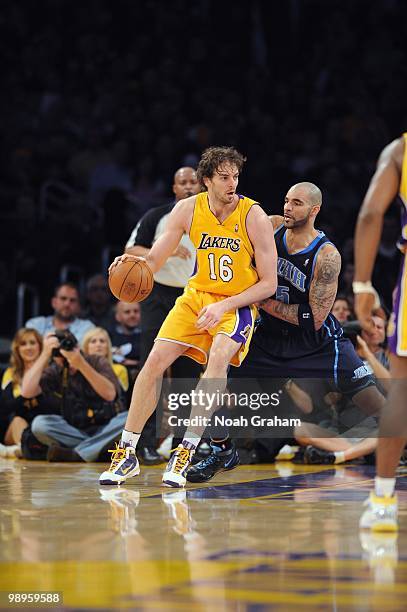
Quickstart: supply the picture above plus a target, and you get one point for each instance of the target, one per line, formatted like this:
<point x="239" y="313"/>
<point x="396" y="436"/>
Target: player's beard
<point x="296" y="223"/>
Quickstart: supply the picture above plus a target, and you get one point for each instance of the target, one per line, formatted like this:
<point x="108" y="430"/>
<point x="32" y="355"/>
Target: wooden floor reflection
<point x="271" y="537"/>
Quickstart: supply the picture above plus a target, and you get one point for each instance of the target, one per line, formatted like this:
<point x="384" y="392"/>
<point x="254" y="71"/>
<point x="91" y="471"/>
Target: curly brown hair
<point x="213" y="157"/>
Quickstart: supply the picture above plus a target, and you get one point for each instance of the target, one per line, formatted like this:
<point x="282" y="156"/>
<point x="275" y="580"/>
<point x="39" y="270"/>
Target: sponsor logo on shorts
<point x="361" y="372"/>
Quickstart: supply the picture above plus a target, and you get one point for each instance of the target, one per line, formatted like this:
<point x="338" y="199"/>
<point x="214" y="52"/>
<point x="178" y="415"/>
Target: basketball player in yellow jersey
<point x="389" y="180"/>
<point x="213" y="321"/>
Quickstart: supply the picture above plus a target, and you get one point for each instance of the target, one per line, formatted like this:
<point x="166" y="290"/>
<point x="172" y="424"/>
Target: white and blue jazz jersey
<point x="295" y="273"/>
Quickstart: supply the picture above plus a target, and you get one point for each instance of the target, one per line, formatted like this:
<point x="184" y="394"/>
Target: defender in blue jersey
<point x="297" y="336"/>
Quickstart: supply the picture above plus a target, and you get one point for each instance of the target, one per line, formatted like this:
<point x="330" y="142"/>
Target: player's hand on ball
<point x="122" y="258"/>
<point x="210" y="316"/>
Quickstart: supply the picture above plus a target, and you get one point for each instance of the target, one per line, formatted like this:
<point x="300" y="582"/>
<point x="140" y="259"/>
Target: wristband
<point x="305" y="317"/>
<point x="362" y="287"/>
<point x="366" y="287"/>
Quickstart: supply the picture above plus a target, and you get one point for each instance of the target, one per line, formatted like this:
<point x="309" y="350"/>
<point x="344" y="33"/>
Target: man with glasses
<point x="66" y="306"/>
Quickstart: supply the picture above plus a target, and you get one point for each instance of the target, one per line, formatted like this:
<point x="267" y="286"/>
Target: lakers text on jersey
<point x="224" y="256"/>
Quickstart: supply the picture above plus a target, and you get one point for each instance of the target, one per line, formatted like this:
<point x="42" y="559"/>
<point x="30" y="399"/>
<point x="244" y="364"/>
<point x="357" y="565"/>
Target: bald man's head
<point x="314" y="195"/>
<point x="185" y="183"/>
<point x="302" y="204"/>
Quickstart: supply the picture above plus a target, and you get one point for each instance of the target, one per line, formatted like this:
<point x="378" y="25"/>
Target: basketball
<point x="131" y="281"/>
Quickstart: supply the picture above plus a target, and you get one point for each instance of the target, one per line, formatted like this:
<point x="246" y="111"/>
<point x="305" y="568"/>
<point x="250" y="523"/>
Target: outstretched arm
<point x="143" y="236"/>
<point x="322" y="293"/>
<point x="178" y="223"/>
<point x="382" y="190"/>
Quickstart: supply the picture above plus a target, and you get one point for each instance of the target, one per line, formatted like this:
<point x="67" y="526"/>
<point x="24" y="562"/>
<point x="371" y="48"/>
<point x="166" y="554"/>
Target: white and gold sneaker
<point x="123" y="503"/>
<point x="174" y="475"/>
<point x="124" y="465"/>
<point x="380" y="513"/>
<point x="381" y="552"/>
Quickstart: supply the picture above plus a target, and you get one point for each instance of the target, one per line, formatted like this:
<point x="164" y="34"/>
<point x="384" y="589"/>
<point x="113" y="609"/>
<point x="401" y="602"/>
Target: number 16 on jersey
<point x="223" y="268"/>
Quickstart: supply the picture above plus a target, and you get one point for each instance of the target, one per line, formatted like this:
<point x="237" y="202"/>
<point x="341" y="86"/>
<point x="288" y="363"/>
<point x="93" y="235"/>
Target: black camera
<point x="351" y="329"/>
<point x="67" y="341"/>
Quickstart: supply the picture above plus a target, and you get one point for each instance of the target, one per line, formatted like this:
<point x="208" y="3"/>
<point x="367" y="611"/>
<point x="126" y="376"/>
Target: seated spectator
<point x="17" y="412"/>
<point x="125" y="334"/>
<point x="97" y="342"/>
<point x="370" y="347"/>
<point x="99" y="306"/>
<point x="375" y="341"/>
<point x="66" y="306"/>
<point x="342" y="309"/>
<point x="85" y="390"/>
<point x="350" y="434"/>
<point x="324" y="448"/>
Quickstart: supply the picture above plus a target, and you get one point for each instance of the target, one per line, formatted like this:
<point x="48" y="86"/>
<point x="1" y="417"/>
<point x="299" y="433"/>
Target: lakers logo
<point x="245" y="332"/>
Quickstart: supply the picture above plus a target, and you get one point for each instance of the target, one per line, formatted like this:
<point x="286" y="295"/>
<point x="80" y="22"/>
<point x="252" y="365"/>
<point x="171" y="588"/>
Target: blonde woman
<point x="97" y="342"/>
<point x="17" y="411"/>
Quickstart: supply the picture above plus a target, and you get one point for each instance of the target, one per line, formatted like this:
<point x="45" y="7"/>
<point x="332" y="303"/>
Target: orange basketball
<point x="131" y="281"/>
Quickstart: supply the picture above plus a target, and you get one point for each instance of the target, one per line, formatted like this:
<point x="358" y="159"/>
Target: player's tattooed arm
<point x="281" y="310"/>
<point x="324" y="284"/>
<point x="322" y="294"/>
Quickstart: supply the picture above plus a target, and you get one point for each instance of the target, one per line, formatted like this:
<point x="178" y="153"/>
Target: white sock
<point x="339" y="456"/>
<point x="384" y="487"/>
<point x="129" y="437"/>
<point x="192" y="439"/>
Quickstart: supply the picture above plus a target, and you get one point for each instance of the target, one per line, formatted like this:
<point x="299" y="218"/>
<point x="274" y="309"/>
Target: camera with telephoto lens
<point x="352" y="329"/>
<point x="67" y="342"/>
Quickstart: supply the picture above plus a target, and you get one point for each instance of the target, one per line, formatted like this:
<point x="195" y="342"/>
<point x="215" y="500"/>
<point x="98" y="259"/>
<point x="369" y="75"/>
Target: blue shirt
<point x="44" y="325"/>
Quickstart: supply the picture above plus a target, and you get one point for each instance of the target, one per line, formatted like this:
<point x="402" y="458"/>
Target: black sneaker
<point x="318" y="456"/>
<point x="214" y="463"/>
<point x="62" y="453"/>
<point x="299" y="456"/>
<point x="202" y="452"/>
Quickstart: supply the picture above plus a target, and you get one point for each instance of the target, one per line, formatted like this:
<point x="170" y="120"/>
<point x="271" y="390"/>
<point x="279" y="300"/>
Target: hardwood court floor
<point x="271" y="537"/>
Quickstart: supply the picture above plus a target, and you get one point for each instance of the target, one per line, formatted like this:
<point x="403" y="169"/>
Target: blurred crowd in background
<point x="103" y="101"/>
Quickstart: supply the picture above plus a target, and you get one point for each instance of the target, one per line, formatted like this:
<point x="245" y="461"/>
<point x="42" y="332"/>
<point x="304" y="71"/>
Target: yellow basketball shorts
<point x="180" y="326"/>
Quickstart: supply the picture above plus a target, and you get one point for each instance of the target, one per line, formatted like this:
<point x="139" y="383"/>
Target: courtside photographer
<point x="83" y="391"/>
<point x="370" y="347"/>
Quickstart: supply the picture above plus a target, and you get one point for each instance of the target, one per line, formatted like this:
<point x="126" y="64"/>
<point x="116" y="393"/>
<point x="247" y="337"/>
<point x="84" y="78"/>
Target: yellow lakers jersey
<point x="224" y="253"/>
<point x="403" y="182"/>
<point x="403" y="196"/>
